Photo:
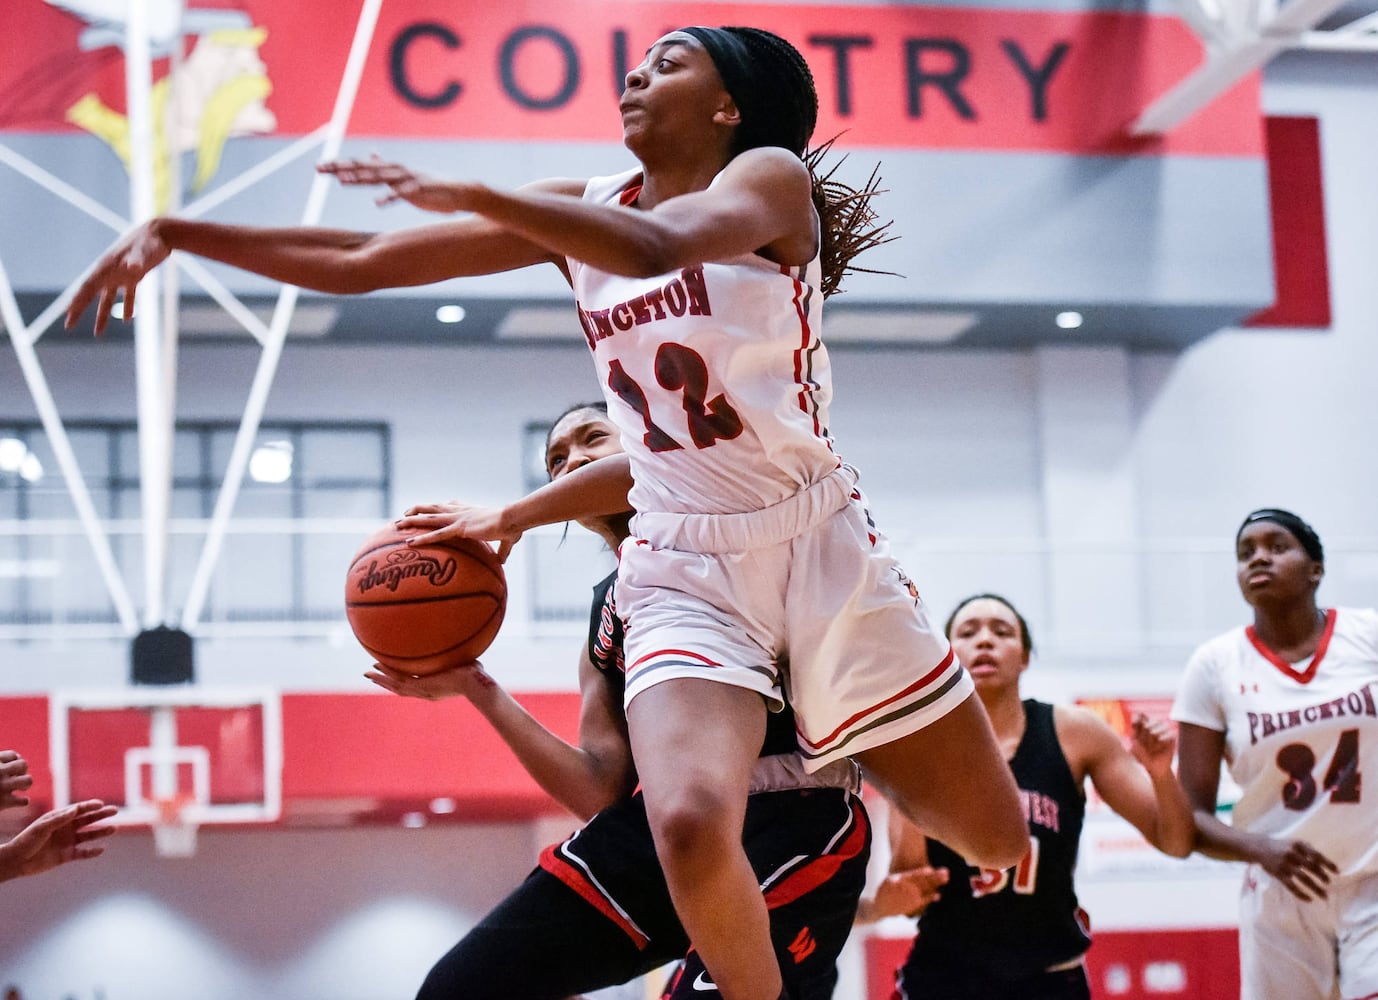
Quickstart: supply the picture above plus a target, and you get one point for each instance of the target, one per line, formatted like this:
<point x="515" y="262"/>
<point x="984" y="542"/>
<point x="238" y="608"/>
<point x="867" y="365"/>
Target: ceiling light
<point x="443" y="806"/>
<point x="1069" y="320"/>
<point x="897" y="326"/>
<point x="413" y="820"/>
<point x="207" y="319"/>
<point x="31" y="469"/>
<point x="271" y="462"/>
<point x="450" y="314"/>
<point x="12" y="452"/>
<point x="540" y="323"/>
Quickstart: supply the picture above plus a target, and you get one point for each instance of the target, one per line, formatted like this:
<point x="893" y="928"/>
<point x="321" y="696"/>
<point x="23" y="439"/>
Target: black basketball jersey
<point x="605" y="649"/>
<point x="1012" y="924"/>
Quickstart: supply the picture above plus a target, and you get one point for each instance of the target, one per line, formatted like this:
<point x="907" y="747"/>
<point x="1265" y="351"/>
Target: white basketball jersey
<point x="714" y="374"/>
<point x="1301" y="739"/>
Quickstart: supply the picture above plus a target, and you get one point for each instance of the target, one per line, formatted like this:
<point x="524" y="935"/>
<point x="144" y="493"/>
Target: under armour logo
<point x="1246" y="688"/>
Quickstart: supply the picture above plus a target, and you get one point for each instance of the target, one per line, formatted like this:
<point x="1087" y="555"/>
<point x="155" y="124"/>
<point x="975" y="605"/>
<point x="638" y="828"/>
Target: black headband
<point x="776" y="99"/>
<point x="1303" y="532"/>
<point x="730" y="55"/>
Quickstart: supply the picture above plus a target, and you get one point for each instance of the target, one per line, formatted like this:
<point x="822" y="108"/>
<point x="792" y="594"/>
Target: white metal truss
<point x="156" y="321"/>
<point x="1241" y="36"/>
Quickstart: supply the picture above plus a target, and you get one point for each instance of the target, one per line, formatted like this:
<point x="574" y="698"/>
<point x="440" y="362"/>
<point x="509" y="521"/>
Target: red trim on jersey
<point x="1300" y="676"/>
<point x="806" y="339"/>
<point x="818" y="871"/>
<point x="919" y="684"/>
<point x="677" y="652"/>
<point x="630" y="194"/>
<point x="571" y="876"/>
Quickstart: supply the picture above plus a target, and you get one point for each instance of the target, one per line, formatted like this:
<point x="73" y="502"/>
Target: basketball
<point x="422" y="609"/>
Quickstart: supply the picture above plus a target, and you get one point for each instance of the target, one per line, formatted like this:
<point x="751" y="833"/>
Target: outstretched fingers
<point x="14" y="779"/>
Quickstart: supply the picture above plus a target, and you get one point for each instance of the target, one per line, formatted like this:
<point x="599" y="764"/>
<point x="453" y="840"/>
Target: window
<point x="280" y="561"/>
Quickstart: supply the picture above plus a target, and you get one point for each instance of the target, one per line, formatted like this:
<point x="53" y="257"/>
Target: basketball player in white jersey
<point x="756" y="573"/>
<point x="1291" y="704"/>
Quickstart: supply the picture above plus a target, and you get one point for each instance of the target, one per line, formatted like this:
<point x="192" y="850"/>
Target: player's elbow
<point x="593" y="799"/>
<point x="655" y="251"/>
<point x="1175" y="848"/>
<point x="360" y="267"/>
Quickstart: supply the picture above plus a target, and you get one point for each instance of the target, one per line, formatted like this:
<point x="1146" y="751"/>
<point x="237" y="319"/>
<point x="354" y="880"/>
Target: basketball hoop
<point x="174" y="831"/>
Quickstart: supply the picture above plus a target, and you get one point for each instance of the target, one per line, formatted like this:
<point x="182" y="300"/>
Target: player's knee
<point x="1000" y="845"/>
<point x="693" y="826"/>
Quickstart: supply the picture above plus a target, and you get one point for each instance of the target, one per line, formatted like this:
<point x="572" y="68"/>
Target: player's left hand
<point x="404" y="184"/>
<point x="1153" y="744"/>
<point x="463" y="681"/>
<point x="453" y="519"/>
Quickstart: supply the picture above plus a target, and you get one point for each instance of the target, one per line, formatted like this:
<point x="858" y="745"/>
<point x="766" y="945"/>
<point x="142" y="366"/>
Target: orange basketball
<point x="420" y="609"/>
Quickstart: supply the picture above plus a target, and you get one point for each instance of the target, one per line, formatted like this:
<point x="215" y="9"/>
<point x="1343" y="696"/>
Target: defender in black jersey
<point x="596" y="912"/>
<point x="1019" y="933"/>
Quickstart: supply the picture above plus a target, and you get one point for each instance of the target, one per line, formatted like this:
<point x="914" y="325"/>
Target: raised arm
<point x="761" y="202"/>
<point x="583" y="778"/>
<point x="1304" y="870"/>
<point x="1139" y="785"/>
<point x="326" y="260"/>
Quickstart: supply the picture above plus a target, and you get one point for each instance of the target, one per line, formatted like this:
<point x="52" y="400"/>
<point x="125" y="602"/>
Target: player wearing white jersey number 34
<point x="1291" y="704"/>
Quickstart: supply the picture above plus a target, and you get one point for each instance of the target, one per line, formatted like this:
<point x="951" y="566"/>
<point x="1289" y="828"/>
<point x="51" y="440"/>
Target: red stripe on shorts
<point x="571" y="876"/>
<point x="675" y="652"/>
<point x="918" y="685"/>
<point x="818" y="871"/>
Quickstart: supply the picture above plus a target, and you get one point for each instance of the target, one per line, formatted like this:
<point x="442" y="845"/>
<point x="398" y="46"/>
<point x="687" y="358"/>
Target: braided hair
<point x="773" y="88"/>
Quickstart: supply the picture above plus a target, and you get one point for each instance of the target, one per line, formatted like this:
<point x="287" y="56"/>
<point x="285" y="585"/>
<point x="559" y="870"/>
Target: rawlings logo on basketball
<point x="404" y="565"/>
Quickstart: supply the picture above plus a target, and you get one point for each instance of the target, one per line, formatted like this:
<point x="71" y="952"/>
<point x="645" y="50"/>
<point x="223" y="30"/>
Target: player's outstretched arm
<point x="762" y="200"/>
<point x="594" y="490"/>
<point x="1304" y="870"/>
<point x="1138" y="783"/>
<point x="55" y="838"/>
<point x="14" y="779"/>
<point x="337" y="261"/>
<point x="583" y="778"/>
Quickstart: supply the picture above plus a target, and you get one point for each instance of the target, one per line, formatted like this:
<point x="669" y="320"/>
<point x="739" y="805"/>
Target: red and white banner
<point x="898" y="76"/>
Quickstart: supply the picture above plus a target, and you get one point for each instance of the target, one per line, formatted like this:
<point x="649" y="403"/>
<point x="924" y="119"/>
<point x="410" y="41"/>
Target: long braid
<point x="848" y="222"/>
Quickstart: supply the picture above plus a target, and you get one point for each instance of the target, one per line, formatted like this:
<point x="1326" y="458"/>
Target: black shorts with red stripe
<point x="597" y="911"/>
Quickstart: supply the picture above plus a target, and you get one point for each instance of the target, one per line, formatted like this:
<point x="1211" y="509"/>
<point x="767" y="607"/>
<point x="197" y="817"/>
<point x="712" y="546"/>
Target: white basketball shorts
<point x="801" y="601"/>
<point x="1325" y="949"/>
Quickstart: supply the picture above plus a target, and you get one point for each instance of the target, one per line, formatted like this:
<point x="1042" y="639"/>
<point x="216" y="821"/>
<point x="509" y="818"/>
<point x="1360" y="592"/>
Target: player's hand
<point x="57" y="837"/>
<point x="909" y="893"/>
<point x="1304" y="870"/>
<point x="1153" y="743"/>
<point x="404" y="184"/>
<point x="464" y="681"/>
<point x="122" y="268"/>
<point x="441" y="521"/>
<point x="14" y="779"/>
